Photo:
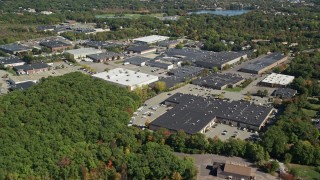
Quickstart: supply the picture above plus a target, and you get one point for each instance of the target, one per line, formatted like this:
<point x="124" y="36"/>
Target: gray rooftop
<point x="139" y="48"/>
<point x="27" y="67"/>
<point x="285" y="93"/>
<point x="217" y="81"/>
<point x="105" y="55"/>
<point x="193" y="113"/>
<point x="10" y="60"/>
<point x="205" y="58"/>
<point x="54" y="44"/>
<point x="186" y="71"/>
<point x="158" y="64"/>
<point x="262" y="62"/>
<point x="137" y="60"/>
<point x="14" y="47"/>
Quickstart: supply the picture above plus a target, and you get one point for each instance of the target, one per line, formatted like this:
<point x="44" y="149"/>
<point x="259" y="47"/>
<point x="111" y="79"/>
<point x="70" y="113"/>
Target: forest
<point x="74" y="126"/>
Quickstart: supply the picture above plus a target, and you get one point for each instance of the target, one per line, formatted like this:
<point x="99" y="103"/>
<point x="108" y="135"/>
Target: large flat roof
<point x="10" y="60"/>
<point x="192" y="113"/>
<point x="280" y="79"/>
<point x="151" y="39"/>
<point x="218" y="80"/>
<point x="263" y="62"/>
<point x="205" y="58"/>
<point x="14" y="47"/>
<point x="85" y="51"/>
<point x="126" y="77"/>
<point x="54" y="44"/>
<point x="186" y="71"/>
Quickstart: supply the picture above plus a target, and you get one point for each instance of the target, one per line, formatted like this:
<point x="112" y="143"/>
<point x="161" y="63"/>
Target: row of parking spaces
<point x="147" y="114"/>
<point x="224" y="132"/>
<point x="207" y="92"/>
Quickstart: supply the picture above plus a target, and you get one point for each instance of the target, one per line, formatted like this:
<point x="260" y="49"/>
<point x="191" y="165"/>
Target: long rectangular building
<point x="219" y="81"/>
<point x="207" y="59"/>
<point x="127" y="78"/>
<point x="264" y="63"/>
<point x="194" y="114"/>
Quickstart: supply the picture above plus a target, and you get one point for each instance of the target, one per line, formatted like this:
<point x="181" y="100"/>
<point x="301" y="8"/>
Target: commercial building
<point x="22" y="86"/>
<point x="277" y="80"/>
<point x="31" y="68"/>
<point x="14" y="48"/>
<point x="150" y="39"/>
<point x="264" y="63"/>
<point x="79" y="54"/>
<point x="172" y="81"/>
<point x="11" y="61"/>
<point x="232" y="170"/>
<point x="137" y="60"/>
<point x="159" y="64"/>
<point x="127" y="78"/>
<point x="195" y="114"/>
<point x="219" y="81"/>
<point x="284" y="93"/>
<point x="141" y="49"/>
<point x="56" y="46"/>
<point x="106" y="56"/>
<point x="169" y="43"/>
<point x="186" y="72"/>
<point x="207" y="59"/>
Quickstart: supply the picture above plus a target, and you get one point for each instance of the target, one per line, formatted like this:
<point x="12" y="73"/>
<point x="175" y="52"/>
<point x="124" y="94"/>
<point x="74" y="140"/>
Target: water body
<point x="221" y="12"/>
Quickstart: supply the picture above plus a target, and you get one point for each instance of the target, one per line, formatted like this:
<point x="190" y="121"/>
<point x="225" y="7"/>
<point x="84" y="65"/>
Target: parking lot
<point x="56" y="72"/>
<point x="225" y="132"/>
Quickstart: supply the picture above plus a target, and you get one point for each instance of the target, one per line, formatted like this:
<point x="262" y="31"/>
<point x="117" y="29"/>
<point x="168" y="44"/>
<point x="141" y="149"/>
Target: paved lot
<point x="37" y="76"/>
<point x="100" y="67"/>
<point x="225" y="132"/>
<point x="203" y="160"/>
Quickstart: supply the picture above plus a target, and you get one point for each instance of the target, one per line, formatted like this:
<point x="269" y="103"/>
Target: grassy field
<point x="129" y="16"/>
<point x="311" y="113"/>
<point x="236" y="89"/>
<point x="305" y="172"/>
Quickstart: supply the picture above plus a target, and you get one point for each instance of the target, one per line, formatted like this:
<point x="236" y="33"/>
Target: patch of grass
<point x="118" y="62"/>
<point x="305" y="172"/>
<point x="309" y="112"/>
<point x="236" y="89"/>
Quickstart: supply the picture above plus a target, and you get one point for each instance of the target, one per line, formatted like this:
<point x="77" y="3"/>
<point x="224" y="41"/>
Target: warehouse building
<point x="284" y="93"/>
<point x="207" y="59"/>
<point x="195" y="114"/>
<point x="80" y="54"/>
<point x="150" y="39"/>
<point x="11" y="61"/>
<point x="264" y="63"/>
<point x="159" y="64"/>
<point x="14" y="48"/>
<point x="137" y="60"/>
<point x="56" y="46"/>
<point x="104" y="57"/>
<point x="141" y="49"/>
<point x="127" y="78"/>
<point x="28" y="69"/>
<point x="172" y="81"/>
<point x="219" y="81"/>
<point x="186" y="72"/>
<point x="277" y="80"/>
<point x="169" y="43"/>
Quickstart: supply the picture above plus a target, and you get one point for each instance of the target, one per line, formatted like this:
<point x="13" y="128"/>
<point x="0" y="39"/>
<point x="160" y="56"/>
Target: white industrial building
<point x="277" y="80"/>
<point x="150" y="39"/>
<point x="80" y="54"/>
<point x="127" y="78"/>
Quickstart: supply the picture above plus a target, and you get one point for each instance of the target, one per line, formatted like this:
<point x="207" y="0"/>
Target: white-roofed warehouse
<point x="277" y="80"/>
<point x="127" y="78"/>
<point x="150" y="39"/>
